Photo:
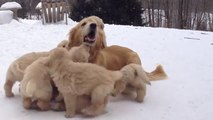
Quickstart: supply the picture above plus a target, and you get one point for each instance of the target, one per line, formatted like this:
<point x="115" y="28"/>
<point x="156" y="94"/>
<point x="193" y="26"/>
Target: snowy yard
<point x="187" y="57"/>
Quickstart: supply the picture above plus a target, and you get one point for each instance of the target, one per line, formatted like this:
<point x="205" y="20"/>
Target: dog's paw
<point x="9" y="95"/>
<point x="114" y="93"/>
<point x="88" y="112"/>
<point x="139" y="99"/>
<point x="58" y="106"/>
<point x="69" y="115"/>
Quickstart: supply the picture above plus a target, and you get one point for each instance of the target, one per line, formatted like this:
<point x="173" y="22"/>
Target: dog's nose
<point x="93" y="26"/>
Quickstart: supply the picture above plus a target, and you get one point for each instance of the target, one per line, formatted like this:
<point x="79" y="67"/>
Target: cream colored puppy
<point x="134" y="76"/>
<point x="77" y="79"/>
<point x="36" y="85"/>
<point x="80" y="53"/>
<point x="15" y="71"/>
<point x="77" y="54"/>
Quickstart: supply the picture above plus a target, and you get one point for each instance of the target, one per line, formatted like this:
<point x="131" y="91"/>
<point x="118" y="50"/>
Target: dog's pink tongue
<point x="91" y="38"/>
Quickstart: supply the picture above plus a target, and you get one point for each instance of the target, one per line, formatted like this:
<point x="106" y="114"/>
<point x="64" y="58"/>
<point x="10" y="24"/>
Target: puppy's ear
<point x="71" y="37"/>
<point x="58" y="53"/>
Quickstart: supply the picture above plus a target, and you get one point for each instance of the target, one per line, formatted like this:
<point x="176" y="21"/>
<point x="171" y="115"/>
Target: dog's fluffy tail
<point x="157" y="74"/>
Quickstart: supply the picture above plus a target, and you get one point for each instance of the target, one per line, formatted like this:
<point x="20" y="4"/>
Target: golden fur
<point x="15" y="71"/>
<point x="76" y="79"/>
<point x="134" y="76"/>
<point x="63" y="44"/>
<point x="36" y="85"/>
<point x="81" y="103"/>
<point x="82" y="53"/>
<point x="78" y="33"/>
<point x="113" y="57"/>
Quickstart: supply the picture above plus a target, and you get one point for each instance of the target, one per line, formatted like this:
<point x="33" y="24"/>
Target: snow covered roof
<point x="38" y="6"/>
<point x="10" y="5"/>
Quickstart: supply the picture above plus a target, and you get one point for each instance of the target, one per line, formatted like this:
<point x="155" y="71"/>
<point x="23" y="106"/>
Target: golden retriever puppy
<point x="77" y="79"/>
<point x="80" y="53"/>
<point x="15" y="71"/>
<point x="77" y="54"/>
<point x="36" y="85"/>
<point x="134" y="76"/>
<point x="113" y="57"/>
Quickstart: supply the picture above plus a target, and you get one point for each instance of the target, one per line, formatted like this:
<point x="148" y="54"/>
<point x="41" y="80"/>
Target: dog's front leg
<point x="70" y="103"/>
<point x="119" y="87"/>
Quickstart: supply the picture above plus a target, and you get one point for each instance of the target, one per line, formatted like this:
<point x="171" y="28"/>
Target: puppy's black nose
<point x="93" y="26"/>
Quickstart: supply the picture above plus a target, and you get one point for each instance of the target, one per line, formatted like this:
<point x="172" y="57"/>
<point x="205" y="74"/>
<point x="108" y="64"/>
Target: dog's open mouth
<point x="90" y="38"/>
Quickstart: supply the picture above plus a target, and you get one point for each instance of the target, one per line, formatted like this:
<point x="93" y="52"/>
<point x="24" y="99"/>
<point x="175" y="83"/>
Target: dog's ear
<point x="71" y="36"/>
<point x="58" y="53"/>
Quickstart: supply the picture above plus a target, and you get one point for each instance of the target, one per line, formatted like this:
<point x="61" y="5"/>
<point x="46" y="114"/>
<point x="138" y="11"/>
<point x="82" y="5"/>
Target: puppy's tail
<point x="157" y="74"/>
<point x="137" y="71"/>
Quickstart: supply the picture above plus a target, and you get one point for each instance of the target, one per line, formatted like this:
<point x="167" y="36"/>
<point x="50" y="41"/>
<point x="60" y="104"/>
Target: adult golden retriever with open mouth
<point x="91" y="29"/>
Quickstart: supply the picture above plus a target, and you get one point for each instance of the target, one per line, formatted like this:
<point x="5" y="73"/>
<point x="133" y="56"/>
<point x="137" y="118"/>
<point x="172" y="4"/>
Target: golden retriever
<point x="36" y="84"/>
<point x="134" y="76"/>
<point x="113" y="57"/>
<point x="15" y="71"/>
<point x="89" y="30"/>
<point x="76" y="79"/>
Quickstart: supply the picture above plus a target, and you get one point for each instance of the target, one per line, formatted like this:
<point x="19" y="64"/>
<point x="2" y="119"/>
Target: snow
<point x="10" y="5"/>
<point x="6" y="16"/>
<point x="186" y="56"/>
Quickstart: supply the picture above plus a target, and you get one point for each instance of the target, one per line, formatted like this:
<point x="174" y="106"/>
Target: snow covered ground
<point x="187" y="57"/>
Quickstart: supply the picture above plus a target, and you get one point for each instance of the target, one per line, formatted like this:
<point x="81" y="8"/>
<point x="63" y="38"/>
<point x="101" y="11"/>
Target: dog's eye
<point x="83" y="24"/>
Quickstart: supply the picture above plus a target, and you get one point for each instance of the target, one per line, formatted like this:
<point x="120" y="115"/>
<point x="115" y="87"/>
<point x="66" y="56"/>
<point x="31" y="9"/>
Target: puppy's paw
<point x="9" y="94"/>
<point x="88" y="112"/>
<point x="139" y="99"/>
<point x="114" y="93"/>
<point x="58" y="106"/>
<point x="69" y="115"/>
